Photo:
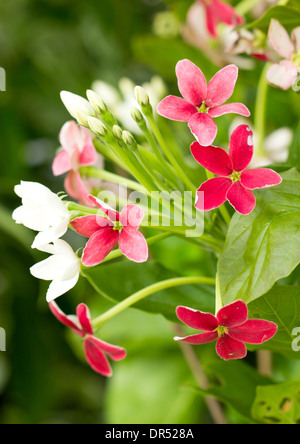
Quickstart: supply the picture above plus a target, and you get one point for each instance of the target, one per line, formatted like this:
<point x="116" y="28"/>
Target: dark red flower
<point x="230" y="327"/>
<point x="95" y="349"/>
<point x="235" y="182"/>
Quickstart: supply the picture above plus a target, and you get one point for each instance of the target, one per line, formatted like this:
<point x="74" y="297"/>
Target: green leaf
<point x="282" y="306"/>
<point x="288" y="16"/>
<point x="263" y="247"/>
<point x="294" y="155"/>
<point x="120" y="280"/>
<point x="278" y="404"/>
<point x="228" y="384"/>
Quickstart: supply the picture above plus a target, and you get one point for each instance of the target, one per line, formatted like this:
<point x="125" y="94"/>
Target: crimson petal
<point x="242" y="199"/>
<point x="254" y="331"/>
<point x="197" y="319"/>
<point x="213" y="193"/>
<point x="133" y="245"/>
<point x="231" y="108"/>
<point x="202" y="338"/>
<point x="228" y="348"/>
<point x="96" y="357"/>
<point x="99" y="246"/>
<point x="213" y="159"/>
<point x="113" y="351"/>
<point x="221" y="86"/>
<point x="131" y="217"/>
<point x="89" y="225"/>
<point x="64" y="319"/>
<point x="233" y="315"/>
<point x="260" y="178"/>
<point x="204" y="128"/>
<point x="84" y="318"/>
<point x="241" y="147"/>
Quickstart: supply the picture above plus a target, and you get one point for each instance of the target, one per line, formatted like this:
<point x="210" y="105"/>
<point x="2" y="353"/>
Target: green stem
<point x="260" y="111"/>
<point x="181" y="174"/>
<point x="142" y="294"/>
<point x="245" y="6"/>
<point x="110" y="177"/>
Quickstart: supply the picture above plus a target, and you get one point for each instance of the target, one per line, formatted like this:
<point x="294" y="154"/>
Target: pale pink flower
<point x="105" y="233"/>
<point x="202" y="102"/>
<point x="77" y="150"/>
<point x="285" y="73"/>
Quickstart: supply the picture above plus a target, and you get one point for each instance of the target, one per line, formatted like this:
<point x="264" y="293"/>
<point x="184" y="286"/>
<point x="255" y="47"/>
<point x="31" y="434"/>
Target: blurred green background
<point x="53" y="45"/>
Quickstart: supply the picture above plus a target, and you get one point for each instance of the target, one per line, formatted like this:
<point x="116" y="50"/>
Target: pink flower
<point x="106" y="233"/>
<point x="235" y="182"/>
<point x="219" y="12"/>
<point x="77" y="150"/>
<point x="201" y="101"/>
<point x="95" y="349"/>
<point x="231" y="328"/>
<point x="285" y="73"/>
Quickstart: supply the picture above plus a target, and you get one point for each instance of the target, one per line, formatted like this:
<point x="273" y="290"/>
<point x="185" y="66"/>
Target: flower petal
<point x="70" y="137"/>
<point x="213" y="193"/>
<point x="260" y="178"/>
<point x="213" y="159"/>
<point x="89" y="225"/>
<point x="114" y="352"/>
<point x="280" y="40"/>
<point x="59" y="287"/>
<point x="221" y="86"/>
<point x="283" y="74"/>
<point x="131" y="217"/>
<point x="99" y="246"/>
<point x="241" y="147"/>
<point x="254" y="331"/>
<point x="176" y="108"/>
<point x="84" y="317"/>
<point x="74" y="186"/>
<point x="233" y="314"/>
<point x="197" y="319"/>
<point x="242" y="199"/>
<point x="202" y="338"/>
<point x="296" y="38"/>
<point x="211" y="20"/>
<point x="112" y="214"/>
<point x="133" y="245"/>
<point x="227" y="14"/>
<point x="191" y="82"/>
<point x="65" y="320"/>
<point x="204" y="128"/>
<point x="231" y="108"/>
<point x="88" y="156"/>
<point x="96" y="358"/>
<point x="228" y="348"/>
<point x="61" y="163"/>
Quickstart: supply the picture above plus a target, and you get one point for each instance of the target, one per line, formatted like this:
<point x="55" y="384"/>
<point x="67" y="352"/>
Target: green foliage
<point x="263" y="247"/>
<point x="288" y="16"/>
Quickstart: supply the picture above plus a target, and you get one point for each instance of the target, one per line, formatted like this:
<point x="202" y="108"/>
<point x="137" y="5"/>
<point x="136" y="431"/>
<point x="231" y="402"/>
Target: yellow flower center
<point x="203" y="108"/>
<point x="296" y="59"/>
<point x="236" y="176"/>
<point x="222" y="331"/>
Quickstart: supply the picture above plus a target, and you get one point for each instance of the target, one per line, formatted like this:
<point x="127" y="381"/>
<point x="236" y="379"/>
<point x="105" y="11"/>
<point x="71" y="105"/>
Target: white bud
<point x="141" y="96"/>
<point x="95" y="100"/>
<point x="97" y="126"/>
<point x="78" y="107"/>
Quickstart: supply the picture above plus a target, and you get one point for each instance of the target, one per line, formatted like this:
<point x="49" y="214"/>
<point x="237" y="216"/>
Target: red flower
<point x="95" y="349"/>
<point x="106" y="233"/>
<point x="201" y="101"/>
<point x="231" y="328"/>
<point x="219" y="12"/>
<point x="235" y="183"/>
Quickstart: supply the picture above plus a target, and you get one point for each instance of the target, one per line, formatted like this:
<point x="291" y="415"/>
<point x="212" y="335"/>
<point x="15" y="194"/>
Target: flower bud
<point x="78" y="107"/>
<point x="97" y="127"/>
<point x="141" y="96"/>
<point x="129" y="140"/>
<point x="96" y="101"/>
<point x="117" y="132"/>
<point x="137" y="115"/>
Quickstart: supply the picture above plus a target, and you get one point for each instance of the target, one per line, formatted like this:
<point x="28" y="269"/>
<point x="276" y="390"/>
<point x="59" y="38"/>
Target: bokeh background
<point x="53" y="45"/>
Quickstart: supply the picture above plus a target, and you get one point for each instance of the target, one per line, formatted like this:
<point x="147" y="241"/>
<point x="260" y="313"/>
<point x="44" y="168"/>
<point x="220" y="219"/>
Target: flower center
<point x="296" y="59"/>
<point x="203" y="108"/>
<point x="236" y="176"/>
<point x="222" y="331"/>
<point x="118" y="227"/>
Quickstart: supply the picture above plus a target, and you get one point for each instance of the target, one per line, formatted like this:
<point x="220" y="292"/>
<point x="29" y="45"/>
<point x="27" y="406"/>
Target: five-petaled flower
<point x="219" y="12"/>
<point x="95" y="349"/>
<point x="42" y="211"/>
<point x="106" y="232"/>
<point x="230" y="327"/>
<point x="77" y="150"/>
<point x="235" y="182"/>
<point x="285" y="73"/>
<point x="202" y="102"/>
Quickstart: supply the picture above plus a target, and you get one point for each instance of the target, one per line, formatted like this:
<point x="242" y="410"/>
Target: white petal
<point x="58" y="288"/>
<point x="280" y="40"/>
<point x="49" y="269"/>
<point x="76" y="104"/>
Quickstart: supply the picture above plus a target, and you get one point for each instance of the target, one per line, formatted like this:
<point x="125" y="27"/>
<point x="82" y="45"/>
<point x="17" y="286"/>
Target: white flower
<point x="62" y="268"/>
<point x="78" y="107"/>
<point x="41" y="211"/>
